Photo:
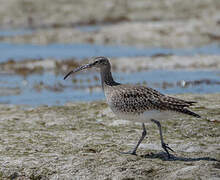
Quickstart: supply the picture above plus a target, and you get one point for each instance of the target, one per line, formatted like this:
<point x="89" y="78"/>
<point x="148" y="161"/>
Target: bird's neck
<point x="106" y="77"/>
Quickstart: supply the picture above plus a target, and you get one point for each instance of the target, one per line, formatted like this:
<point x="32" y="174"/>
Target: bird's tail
<point x="187" y="111"/>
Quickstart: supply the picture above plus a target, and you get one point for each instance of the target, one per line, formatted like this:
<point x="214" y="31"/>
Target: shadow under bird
<point x="136" y="102"/>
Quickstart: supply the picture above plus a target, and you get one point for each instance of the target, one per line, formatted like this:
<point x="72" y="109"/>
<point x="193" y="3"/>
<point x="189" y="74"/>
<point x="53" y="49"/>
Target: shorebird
<point x="137" y="103"/>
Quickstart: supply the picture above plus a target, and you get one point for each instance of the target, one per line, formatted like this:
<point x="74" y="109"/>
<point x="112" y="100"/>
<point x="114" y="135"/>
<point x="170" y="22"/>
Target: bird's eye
<point x="96" y="62"/>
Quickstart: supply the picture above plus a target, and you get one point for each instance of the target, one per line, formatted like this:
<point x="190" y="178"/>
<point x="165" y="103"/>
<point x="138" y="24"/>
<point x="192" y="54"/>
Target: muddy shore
<point x="125" y="64"/>
<point x="84" y="141"/>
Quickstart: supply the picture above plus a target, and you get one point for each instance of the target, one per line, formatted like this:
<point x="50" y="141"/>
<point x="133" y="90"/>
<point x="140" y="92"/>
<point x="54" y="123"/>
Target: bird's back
<point x="134" y="101"/>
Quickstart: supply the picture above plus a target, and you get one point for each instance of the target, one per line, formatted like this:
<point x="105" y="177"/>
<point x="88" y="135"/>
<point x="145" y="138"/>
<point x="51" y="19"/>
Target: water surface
<point x="80" y="51"/>
<point x="49" y="89"/>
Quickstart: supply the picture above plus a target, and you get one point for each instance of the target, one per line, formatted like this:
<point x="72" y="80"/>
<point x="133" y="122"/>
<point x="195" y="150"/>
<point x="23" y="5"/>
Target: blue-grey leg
<point x="144" y="133"/>
<point x="164" y="145"/>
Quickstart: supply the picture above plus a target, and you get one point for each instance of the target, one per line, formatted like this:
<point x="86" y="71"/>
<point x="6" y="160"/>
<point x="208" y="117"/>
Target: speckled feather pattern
<point x="135" y="99"/>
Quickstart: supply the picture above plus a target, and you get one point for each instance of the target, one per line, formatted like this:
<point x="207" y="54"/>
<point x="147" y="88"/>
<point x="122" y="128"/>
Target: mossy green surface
<point x="84" y="141"/>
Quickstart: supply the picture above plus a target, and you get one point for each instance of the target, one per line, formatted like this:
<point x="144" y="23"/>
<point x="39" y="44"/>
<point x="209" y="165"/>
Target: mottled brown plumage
<point x="138" y="99"/>
<point x="137" y="103"/>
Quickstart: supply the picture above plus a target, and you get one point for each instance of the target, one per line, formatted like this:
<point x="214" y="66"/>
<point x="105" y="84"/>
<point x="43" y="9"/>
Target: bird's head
<point x="98" y="62"/>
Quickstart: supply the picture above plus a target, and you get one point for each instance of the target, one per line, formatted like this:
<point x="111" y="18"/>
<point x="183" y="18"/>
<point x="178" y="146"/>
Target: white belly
<point x="146" y="116"/>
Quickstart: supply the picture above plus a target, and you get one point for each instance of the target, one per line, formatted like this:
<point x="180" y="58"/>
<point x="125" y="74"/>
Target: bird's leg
<point x="144" y="133"/>
<point x="164" y="145"/>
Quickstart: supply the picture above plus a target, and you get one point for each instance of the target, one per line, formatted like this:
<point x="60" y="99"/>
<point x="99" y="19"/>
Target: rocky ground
<point x="84" y="141"/>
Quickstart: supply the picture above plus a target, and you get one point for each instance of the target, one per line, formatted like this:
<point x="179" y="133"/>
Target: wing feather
<point x="141" y="98"/>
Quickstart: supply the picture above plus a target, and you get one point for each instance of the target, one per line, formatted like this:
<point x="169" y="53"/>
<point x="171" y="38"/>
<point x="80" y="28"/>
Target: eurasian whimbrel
<point x="137" y="103"/>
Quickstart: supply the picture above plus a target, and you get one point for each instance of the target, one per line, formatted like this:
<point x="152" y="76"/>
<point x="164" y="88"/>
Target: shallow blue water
<point x="80" y="51"/>
<point x="72" y="93"/>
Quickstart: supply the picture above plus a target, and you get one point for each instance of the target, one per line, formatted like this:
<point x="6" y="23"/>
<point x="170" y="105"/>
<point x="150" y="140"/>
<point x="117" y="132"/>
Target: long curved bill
<point x="78" y="69"/>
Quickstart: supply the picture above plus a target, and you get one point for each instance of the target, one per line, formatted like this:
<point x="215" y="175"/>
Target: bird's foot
<point x="166" y="148"/>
